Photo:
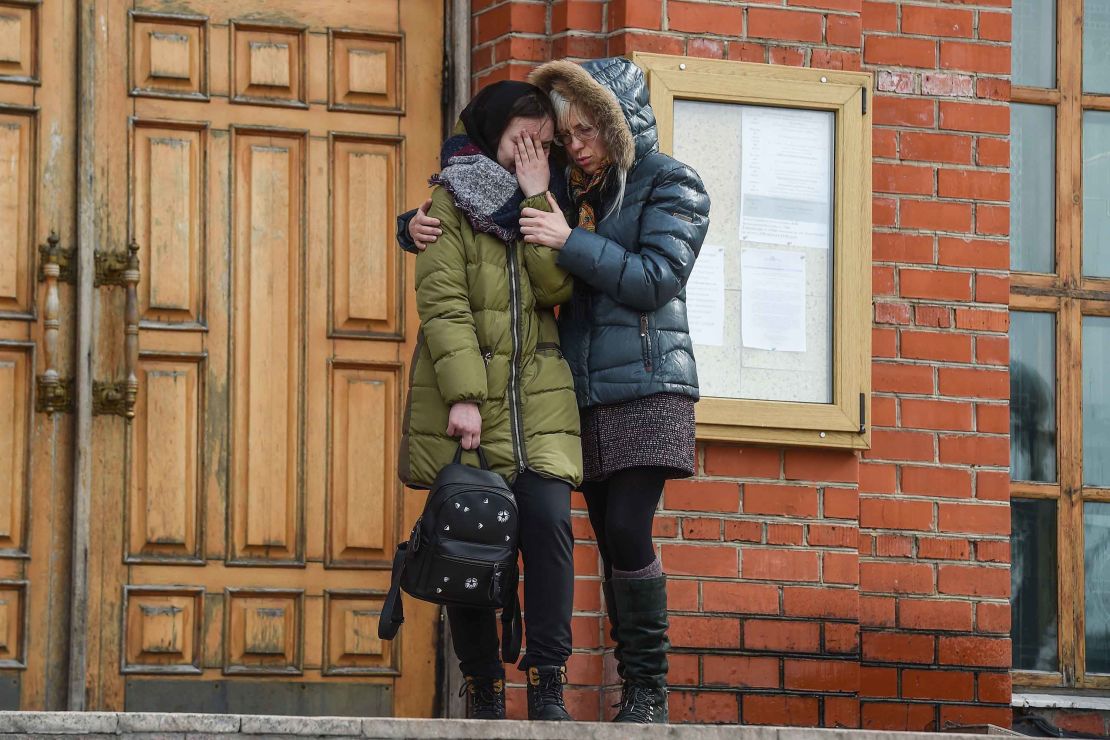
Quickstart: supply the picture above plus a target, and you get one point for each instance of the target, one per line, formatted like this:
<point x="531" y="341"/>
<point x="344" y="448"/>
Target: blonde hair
<point x="563" y="110"/>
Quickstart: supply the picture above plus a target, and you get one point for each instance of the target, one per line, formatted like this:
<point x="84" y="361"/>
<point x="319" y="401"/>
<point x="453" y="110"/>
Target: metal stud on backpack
<point x="462" y="551"/>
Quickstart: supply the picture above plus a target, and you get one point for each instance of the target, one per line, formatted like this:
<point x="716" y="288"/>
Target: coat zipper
<point x="515" y="423"/>
<point x="645" y="341"/>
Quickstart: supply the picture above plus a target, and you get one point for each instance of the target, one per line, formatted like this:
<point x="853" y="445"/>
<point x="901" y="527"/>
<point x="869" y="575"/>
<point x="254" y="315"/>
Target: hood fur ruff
<point x="596" y="101"/>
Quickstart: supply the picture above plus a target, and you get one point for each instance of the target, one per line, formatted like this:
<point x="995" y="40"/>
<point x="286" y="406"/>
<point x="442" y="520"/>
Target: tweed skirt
<point x="654" y="431"/>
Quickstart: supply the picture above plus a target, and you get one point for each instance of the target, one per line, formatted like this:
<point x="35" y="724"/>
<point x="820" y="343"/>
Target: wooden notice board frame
<point x="844" y="422"/>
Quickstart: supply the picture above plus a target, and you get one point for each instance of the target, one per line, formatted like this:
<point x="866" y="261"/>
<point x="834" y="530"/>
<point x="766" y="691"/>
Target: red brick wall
<point x="828" y="588"/>
<point x="934" y="498"/>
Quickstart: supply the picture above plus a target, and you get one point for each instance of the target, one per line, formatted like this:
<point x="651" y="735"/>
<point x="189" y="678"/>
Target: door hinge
<point x="864" y="101"/>
<point x="53" y="253"/>
<point x="862" y="413"/>
<point x="54" y="395"/>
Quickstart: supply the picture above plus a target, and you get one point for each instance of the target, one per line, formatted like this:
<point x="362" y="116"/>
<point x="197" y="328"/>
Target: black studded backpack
<point x="462" y="551"/>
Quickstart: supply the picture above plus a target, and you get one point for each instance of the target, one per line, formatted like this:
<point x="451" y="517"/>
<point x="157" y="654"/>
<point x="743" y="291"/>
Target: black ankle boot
<point x="545" y="693"/>
<point x="642" y="633"/>
<point x="485" y="697"/>
<point x="642" y="705"/>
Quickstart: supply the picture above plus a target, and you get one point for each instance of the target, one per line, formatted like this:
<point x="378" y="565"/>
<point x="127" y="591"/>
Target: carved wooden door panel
<point x="37" y="45"/>
<point x="243" y="522"/>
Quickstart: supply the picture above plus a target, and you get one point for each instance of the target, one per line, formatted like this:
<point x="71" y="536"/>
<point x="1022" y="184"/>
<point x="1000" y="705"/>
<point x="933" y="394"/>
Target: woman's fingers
<point x="423" y="228"/>
<point x="554" y="204"/>
<point x="470" y="439"/>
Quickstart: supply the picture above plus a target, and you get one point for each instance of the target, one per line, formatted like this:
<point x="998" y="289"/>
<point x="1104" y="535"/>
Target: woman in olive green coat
<point x="488" y="370"/>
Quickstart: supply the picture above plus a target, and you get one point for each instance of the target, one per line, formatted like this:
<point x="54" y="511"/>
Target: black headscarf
<point x="487" y="114"/>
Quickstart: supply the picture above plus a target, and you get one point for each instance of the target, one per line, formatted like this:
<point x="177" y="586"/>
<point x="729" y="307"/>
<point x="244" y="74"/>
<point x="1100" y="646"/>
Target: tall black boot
<point x="545" y="693"/>
<point x="642" y="634"/>
<point x="611" y="608"/>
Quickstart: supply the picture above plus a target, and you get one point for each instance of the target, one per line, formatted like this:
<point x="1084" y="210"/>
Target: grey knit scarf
<point x="483" y="190"/>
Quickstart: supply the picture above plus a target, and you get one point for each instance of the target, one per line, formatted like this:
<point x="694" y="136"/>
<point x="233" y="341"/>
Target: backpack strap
<point x="393" y="613"/>
<point x="511" y="628"/>
<point x="481" y="456"/>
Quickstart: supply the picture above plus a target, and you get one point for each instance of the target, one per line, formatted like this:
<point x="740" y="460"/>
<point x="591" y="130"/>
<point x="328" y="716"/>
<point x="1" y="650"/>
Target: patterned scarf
<point x="585" y="193"/>
<point x="483" y="190"/>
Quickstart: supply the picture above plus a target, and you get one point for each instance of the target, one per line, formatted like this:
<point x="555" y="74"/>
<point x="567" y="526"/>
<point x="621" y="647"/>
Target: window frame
<point x="1070" y="296"/>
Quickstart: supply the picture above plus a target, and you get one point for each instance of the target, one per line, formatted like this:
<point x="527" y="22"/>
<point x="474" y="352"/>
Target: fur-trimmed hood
<point x="614" y="93"/>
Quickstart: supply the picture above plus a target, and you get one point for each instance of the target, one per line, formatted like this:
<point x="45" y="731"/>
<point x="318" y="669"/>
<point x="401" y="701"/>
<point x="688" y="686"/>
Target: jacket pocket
<point x="487" y="355"/>
<point x="682" y="216"/>
<point x="549" y="347"/>
<point x="645" y="342"/>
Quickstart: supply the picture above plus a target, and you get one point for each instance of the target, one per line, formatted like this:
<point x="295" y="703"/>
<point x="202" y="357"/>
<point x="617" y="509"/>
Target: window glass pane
<point x="1096" y="401"/>
<point x="1096" y="46"/>
<point x="1033" y="188"/>
<point x="1096" y="564"/>
<point x="1096" y="192"/>
<point x="1034" y="46"/>
<point x="1033" y="396"/>
<point x="1033" y="585"/>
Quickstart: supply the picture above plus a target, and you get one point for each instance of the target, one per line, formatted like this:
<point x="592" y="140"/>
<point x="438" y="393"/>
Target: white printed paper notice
<point x="773" y="299"/>
<point x="786" y="177"/>
<point x="705" y="297"/>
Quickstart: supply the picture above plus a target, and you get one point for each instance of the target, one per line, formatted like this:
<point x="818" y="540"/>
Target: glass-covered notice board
<point x="779" y="302"/>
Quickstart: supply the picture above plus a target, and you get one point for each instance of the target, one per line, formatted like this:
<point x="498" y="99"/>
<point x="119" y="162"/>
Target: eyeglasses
<point x="583" y="133"/>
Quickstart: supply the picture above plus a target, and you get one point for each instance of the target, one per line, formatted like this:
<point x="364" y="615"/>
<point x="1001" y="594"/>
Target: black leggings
<point x="621" y="510"/>
<point x="547" y="546"/>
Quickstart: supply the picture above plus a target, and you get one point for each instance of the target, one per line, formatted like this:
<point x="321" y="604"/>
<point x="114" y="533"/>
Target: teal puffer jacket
<point x="625" y="331"/>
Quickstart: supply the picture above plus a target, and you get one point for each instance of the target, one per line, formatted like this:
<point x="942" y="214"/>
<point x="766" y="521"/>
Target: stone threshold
<point x="199" y="726"/>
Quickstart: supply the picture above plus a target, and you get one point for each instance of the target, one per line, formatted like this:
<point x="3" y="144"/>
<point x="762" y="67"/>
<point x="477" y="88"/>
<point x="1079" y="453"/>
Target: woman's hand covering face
<point x="543" y="228"/>
<point x="532" y="170"/>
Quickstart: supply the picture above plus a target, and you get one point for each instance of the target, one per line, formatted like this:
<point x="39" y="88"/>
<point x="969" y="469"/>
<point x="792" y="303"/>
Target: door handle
<point x="54" y="393"/>
<point x="113" y="268"/>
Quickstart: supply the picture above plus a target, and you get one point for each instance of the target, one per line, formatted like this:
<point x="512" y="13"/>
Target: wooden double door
<point x="202" y="368"/>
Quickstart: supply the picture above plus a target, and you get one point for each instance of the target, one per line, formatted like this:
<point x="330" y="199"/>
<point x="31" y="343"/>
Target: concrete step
<point x="150" y="726"/>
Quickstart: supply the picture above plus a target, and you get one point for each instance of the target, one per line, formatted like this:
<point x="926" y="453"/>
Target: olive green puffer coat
<point x="486" y="308"/>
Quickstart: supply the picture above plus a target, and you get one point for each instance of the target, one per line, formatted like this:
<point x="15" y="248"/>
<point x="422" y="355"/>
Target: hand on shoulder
<point x="423" y="229"/>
